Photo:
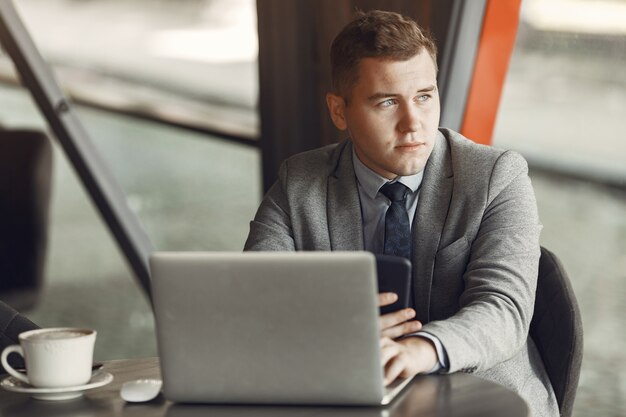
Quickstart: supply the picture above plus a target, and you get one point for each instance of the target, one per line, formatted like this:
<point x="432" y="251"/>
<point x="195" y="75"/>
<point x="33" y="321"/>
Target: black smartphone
<point x="394" y="275"/>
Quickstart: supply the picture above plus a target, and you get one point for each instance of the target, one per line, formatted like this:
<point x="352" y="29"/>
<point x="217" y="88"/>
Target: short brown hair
<point x="375" y="34"/>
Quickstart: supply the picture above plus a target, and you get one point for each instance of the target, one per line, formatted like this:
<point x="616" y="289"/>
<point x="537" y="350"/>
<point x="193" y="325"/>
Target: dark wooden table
<point x="457" y="395"/>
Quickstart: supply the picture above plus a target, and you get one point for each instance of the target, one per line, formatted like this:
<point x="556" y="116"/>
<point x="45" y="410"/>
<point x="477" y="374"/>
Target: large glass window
<point x="565" y="97"/>
<point x="564" y="108"/>
<point x="192" y="62"/>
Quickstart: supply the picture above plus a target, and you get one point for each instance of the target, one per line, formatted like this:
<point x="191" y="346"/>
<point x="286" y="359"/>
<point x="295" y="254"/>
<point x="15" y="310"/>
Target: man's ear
<point x="336" y="107"/>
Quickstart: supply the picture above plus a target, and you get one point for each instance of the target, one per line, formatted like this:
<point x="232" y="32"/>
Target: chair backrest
<point x="25" y="183"/>
<point x="556" y="329"/>
<point x="12" y="324"/>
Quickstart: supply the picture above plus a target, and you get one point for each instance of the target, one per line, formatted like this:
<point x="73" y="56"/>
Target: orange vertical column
<point x="497" y="41"/>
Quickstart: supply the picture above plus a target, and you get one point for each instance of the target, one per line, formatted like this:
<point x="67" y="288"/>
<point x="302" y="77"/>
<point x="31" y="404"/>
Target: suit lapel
<point x="430" y="216"/>
<point x="343" y="204"/>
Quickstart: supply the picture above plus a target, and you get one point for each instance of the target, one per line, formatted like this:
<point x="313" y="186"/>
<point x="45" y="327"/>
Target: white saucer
<point x="98" y="379"/>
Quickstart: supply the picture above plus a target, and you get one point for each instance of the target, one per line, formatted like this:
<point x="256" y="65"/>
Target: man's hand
<point x="407" y="357"/>
<point x="396" y="324"/>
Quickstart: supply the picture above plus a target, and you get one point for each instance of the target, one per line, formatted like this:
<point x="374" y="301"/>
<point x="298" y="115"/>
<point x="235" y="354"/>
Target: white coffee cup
<point x="55" y="357"/>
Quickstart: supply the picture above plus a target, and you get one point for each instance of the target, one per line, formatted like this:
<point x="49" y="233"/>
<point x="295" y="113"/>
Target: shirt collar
<point x="371" y="182"/>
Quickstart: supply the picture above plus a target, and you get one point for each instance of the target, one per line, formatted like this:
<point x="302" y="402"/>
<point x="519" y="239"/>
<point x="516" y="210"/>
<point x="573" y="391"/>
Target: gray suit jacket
<point x="475" y="249"/>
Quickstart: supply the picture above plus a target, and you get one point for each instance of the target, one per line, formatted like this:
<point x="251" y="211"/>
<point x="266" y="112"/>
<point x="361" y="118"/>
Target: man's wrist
<point x="424" y="353"/>
<point x="442" y="356"/>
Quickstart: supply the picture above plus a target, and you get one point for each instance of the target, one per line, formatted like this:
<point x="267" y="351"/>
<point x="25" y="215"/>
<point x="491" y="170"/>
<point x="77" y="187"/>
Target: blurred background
<point x="169" y="93"/>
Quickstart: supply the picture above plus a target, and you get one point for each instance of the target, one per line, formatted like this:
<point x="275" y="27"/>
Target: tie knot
<point x="396" y="191"/>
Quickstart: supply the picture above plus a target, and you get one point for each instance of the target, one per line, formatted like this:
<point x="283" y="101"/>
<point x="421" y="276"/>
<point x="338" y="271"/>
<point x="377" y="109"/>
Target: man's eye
<point x="387" y="103"/>
<point x="423" y="98"/>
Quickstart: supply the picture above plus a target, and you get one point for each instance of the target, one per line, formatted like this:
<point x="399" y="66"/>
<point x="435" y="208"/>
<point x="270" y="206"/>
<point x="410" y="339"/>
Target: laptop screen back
<point x="268" y="327"/>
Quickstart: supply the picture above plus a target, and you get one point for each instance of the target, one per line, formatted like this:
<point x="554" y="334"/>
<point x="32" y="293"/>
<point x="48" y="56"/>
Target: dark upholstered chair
<point x="557" y="330"/>
<point x="25" y="178"/>
<point x="12" y="324"/>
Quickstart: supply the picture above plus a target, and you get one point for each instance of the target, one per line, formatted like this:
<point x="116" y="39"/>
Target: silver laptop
<point x="269" y="328"/>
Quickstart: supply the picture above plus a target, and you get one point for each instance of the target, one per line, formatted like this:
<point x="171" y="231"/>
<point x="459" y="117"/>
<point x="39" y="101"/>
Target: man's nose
<point x="410" y="118"/>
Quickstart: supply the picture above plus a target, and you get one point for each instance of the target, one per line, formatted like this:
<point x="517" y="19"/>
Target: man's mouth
<point x="411" y="146"/>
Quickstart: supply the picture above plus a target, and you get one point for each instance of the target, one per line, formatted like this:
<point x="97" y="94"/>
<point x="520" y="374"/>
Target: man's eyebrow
<point x="381" y="95"/>
<point x="428" y="89"/>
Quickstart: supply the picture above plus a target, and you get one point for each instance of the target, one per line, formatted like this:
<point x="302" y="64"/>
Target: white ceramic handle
<point x="5" y="353"/>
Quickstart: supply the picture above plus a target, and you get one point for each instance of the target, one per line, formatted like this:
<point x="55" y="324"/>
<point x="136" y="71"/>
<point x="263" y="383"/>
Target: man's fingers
<point x="395" y="318"/>
<point x="396" y="360"/>
<point x="388" y="349"/>
<point x="394" y="368"/>
<point x="385" y="341"/>
<point x="403" y="329"/>
<point x="387" y="298"/>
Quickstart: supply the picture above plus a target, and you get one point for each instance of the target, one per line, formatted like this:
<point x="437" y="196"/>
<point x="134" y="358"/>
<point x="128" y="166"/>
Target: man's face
<point x="392" y="115"/>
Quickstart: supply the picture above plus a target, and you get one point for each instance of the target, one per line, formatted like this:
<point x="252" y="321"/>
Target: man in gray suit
<point x="469" y="210"/>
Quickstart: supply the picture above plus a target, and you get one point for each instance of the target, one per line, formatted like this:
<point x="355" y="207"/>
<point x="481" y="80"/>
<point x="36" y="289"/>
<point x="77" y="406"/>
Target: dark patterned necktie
<point x="397" y="227"/>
